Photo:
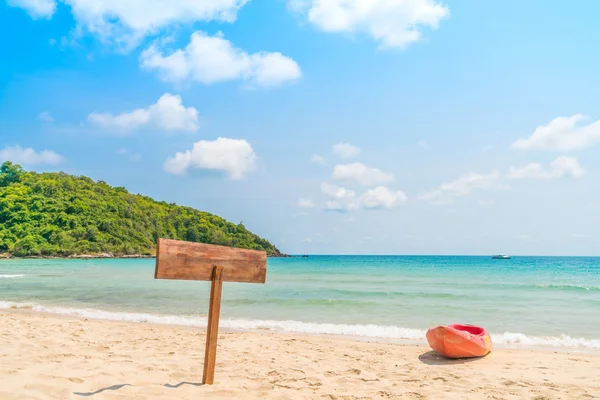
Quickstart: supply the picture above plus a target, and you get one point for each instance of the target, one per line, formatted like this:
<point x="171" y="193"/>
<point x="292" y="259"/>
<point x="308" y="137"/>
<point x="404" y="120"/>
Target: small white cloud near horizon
<point x="37" y="9"/>
<point x="319" y="160"/>
<point x="346" y="150"/>
<point x="30" y="157"/>
<point x="167" y="114"/>
<point x="46" y="117"/>
<point x="562" y="133"/>
<point x="213" y="59"/>
<point x="305" y="203"/>
<point x="463" y="186"/>
<point x="381" y="197"/>
<point x="361" y="174"/>
<point x="235" y="157"/>
<point x="391" y="23"/>
<point x="306" y="240"/>
<point x="339" y="198"/>
<point x="561" y="167"/>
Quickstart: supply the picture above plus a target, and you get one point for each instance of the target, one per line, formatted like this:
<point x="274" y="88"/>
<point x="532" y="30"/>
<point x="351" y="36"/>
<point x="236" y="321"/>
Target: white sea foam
<point x="11" y="276"/>
<point x="520" y="339"/>
<point x="366" y="331"/>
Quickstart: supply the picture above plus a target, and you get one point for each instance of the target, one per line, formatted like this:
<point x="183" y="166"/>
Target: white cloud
<point x="28" y="156"/>
<point x="168" y="114"/>
<point x="212" y="59"/>
<point x="125" y="23"/>
<point x="342" y="199"/>
<point x="232" y="156"/>
<point x="346" y="150"/>
<point x="562" y="167"/>
<point x="463" y="186"/>
<point x="37" y="9"/>
<point x="319" y="160"/>
<point x="562" y="133"/>
<point x="339" y="198"/>
<point x="381" y="197"/>
<point x="46" y="117"/>
<point x="422" y="144"/>
<point x="360" y="173"/>
<point x="392" y="23"/>
<point x="306" y="240"/>
<point x="305" y="203"/>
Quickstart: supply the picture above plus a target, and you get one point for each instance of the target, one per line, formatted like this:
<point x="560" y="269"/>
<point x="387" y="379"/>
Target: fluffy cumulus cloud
<point x="361" y="174"/>
<point x="563" y="133"/>
<point x="234" y="157"/>
<point x="346" y="150"/>
<point x="463" y="186"/>
<point x="212" y="59"/>
<point x="341" y="199"/>
<point x="562" y="167"/>
<point x="37" y="9"/>
<point x="381" y="197"/>
<point x="125" y="23"/>
<point x="28" y="156"/>
<point x="168" y="114"/>
<point x="392" y="23"/>
<point x="338" y="198"/>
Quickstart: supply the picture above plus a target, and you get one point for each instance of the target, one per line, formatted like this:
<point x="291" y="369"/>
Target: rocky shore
<point x="6" y="256"/>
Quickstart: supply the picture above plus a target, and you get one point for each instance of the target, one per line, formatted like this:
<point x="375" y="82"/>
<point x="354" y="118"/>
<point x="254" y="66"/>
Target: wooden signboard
<point x="177" y="259"/>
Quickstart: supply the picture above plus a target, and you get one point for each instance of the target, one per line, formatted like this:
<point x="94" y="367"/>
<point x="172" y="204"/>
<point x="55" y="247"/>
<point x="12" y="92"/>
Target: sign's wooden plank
<point x="212" y="332"/>
<point x="177" y="259"/>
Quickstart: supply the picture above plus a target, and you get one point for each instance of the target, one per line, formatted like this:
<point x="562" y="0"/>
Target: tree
<point x="61" y="214"/>
<point x="10" y="173"/>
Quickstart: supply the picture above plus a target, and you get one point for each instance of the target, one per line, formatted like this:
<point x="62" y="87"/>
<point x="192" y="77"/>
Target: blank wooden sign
<point x="177" y="259"/>
<point x="195" y="261"/>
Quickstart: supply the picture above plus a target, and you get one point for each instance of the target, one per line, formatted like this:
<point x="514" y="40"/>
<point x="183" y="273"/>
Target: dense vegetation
<point x="56" y="214"/>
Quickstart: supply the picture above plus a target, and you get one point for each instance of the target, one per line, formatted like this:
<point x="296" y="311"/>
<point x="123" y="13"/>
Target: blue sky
<point x="381" y="126"/>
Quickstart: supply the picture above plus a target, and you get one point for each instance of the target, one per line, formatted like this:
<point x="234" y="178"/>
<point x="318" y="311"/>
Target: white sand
<point x="49" y="357"/>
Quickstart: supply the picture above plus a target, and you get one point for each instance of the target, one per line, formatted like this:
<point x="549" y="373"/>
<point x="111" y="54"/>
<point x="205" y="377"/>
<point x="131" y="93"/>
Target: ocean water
<point x="524" y="301"/>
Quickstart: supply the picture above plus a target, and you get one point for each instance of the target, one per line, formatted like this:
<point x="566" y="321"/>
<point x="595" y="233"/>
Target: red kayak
<point x="460" y="341"/>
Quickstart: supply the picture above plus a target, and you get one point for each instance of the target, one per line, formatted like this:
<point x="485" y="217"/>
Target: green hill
<point x="56" y="214"/>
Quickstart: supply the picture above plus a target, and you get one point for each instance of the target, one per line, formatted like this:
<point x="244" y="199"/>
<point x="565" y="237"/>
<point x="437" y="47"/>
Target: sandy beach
<point x="51" y="357"/>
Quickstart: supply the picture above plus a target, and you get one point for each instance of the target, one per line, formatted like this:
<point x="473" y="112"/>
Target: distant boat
<point x="500" y="257"/>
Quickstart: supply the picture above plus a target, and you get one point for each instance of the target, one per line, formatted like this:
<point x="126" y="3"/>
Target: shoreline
<point x="57" y="357"/>
<point x="198" y="323"/>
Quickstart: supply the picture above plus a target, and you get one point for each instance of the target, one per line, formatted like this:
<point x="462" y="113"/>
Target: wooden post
<point x="177" y="259"/>
<point x="212" y="329"/>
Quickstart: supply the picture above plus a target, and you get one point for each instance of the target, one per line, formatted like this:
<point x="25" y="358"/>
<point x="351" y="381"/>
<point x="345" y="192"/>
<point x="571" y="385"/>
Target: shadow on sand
<point x="433" y="358"/>
<point x="167" y="385"/>
<point x="117" y="387"/>
<point x="113" y="387"/>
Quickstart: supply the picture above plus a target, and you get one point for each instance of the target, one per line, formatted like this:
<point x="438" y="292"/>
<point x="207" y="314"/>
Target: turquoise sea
<point x="524" y="301"/>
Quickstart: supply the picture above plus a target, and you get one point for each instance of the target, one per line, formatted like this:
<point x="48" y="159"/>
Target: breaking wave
<point x="507" y="339"/>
